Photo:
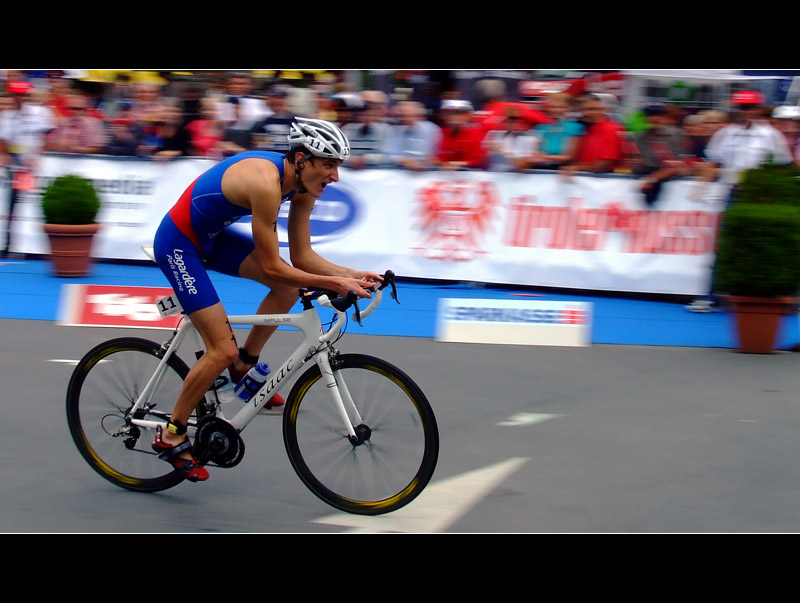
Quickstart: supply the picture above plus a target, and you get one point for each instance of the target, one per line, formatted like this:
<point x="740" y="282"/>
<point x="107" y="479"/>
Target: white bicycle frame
<point x="315" y="344"/>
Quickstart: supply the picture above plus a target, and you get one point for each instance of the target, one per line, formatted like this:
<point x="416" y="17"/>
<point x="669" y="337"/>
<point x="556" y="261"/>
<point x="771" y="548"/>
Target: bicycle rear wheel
<point x="398" y="445"/>
<point x="101" y="392"/>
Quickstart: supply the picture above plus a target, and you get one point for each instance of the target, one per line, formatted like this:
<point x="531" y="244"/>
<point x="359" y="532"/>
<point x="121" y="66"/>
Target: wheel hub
<point x="363" y="433"/>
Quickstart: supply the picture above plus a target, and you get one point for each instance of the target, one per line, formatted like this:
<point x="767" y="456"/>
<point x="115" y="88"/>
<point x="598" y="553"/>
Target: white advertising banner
<point x="529" y="229"/>
<point x="535" y="229"/>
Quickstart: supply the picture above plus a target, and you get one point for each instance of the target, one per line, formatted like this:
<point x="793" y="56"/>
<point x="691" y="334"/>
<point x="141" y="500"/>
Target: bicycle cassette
<point x="219" y="442"/>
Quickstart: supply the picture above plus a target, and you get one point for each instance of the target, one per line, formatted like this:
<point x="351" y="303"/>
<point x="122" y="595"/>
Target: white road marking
<point x="526" y="418"/>
<point x="438" y="507"/>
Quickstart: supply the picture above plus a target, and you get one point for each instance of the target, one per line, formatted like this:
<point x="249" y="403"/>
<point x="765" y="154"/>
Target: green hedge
<point x="771" y="183"/>
<point x="759" y="251"/>
<point x="70" y="199"/>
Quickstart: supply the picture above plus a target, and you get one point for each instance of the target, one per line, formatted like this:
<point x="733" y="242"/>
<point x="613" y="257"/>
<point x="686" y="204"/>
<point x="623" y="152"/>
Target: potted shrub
<point x="758" y="268"/>
<point x="70" y="205"/>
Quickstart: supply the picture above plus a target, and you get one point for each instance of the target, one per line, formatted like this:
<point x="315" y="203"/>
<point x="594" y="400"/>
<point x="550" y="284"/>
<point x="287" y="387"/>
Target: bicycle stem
<point x="325" y="301"/>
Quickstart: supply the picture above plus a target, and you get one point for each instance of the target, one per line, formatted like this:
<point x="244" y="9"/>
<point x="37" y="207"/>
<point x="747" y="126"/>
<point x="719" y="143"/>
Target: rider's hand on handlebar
<point x="372" y="279"/>
<point x="361" y="286"/>
<point x="376" y="279"/>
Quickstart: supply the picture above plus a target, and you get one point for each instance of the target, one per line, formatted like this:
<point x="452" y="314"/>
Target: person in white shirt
<point x="249" y="108"/>
<point x="23" y="130"/>
<point x="786" y="118"/>
<point x="748" y="142"/>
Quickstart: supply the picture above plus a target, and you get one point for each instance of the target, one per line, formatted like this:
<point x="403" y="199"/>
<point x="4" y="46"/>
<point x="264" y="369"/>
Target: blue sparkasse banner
<point x="516" y="322"/>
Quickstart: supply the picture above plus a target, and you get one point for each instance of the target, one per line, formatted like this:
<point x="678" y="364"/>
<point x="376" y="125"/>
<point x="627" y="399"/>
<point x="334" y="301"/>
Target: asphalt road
<point x="533" y="439"/>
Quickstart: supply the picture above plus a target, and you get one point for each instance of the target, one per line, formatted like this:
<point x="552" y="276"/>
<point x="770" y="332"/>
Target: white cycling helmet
<point x="321" y="138"/>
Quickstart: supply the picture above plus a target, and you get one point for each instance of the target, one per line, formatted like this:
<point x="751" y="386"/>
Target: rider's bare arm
<point x="265" y="201"/>
<point x="301" y="252"/>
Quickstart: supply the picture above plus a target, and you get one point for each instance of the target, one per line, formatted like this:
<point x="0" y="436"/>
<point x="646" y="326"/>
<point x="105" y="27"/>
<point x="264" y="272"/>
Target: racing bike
<point x="359" y="432"/>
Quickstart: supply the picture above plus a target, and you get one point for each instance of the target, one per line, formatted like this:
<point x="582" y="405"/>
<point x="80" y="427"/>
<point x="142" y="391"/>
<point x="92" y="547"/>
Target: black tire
<point x="103" y="387"/>
<point x="390" y="468"/>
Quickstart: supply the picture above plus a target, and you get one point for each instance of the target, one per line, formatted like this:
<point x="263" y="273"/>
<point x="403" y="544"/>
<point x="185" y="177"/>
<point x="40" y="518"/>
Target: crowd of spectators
<point x="563" y="133"/>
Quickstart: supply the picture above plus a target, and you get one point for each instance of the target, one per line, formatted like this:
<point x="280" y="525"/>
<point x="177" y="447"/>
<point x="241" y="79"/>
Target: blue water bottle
<point x="252" y="381"/>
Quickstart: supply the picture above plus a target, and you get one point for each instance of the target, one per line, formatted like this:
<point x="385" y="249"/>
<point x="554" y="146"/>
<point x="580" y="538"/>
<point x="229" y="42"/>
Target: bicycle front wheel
<point x="103" y="388"/>
<point x="397" y="448"/>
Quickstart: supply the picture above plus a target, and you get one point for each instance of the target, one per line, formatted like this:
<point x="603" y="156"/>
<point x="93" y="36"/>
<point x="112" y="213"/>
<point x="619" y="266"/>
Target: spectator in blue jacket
<point x="413" y="141"/>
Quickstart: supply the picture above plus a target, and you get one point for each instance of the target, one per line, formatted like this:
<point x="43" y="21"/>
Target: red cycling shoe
<point x="276" y="400"/>
<point x="188" y="468"/>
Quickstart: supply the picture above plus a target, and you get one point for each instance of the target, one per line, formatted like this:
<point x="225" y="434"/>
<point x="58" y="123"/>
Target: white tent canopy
<point x="719" y="79"/>
<point x="709" y="75"/>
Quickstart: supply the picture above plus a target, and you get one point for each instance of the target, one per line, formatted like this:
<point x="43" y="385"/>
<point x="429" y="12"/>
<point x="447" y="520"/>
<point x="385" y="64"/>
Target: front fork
<point x="330" y="365"/>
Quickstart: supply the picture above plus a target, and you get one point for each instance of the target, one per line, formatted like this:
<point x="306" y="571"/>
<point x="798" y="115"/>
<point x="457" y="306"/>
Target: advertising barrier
<point x="514" y="322"/>
<point x="114" y="306"/>
<point x="534" y="229"/>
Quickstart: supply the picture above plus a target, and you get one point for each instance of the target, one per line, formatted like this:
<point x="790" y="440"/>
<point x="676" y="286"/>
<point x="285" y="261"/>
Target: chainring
<point x="218" y="442"/>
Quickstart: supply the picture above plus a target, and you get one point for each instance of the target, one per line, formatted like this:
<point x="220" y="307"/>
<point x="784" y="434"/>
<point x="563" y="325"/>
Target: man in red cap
<point x="749" y="141"/>
<point x="18" y="87"/>
<point x="747" y="98"/>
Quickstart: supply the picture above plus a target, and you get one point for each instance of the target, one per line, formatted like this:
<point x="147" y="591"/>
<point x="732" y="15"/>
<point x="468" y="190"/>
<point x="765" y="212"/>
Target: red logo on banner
<point x="453" y="217"/>
<point x="115" y="306"/>
<point x="573" y="315"/>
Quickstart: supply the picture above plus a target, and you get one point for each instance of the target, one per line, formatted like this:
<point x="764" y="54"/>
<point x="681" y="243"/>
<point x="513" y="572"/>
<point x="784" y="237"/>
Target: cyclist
<point x="194" y="237"/>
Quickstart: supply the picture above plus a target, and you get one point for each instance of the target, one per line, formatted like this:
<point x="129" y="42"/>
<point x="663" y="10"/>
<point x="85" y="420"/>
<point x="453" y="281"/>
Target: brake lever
<point x="342" y="304"/>
<point x="388" y="280"/>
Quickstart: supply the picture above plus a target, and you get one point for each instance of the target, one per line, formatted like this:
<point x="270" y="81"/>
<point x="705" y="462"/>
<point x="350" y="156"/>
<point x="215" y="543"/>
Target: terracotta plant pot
<point x="70" y="247"/>
<point x="758" y="320"/>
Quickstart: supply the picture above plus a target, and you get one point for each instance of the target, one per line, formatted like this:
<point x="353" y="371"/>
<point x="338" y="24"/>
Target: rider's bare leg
<point x="221" y="351"/>
<point x="279" y="300"/>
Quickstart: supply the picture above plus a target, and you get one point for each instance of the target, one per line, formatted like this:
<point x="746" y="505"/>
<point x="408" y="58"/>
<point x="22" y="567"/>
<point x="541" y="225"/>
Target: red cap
<point x="747" y="97"/>
<point x="18" y="87"/>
